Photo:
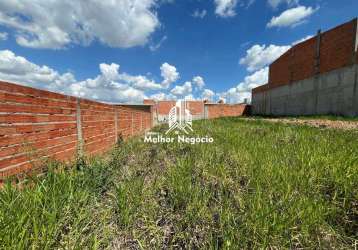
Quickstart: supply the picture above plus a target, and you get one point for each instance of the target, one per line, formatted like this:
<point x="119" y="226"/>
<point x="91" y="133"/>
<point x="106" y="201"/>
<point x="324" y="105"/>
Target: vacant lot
<point x="260" y="184"/>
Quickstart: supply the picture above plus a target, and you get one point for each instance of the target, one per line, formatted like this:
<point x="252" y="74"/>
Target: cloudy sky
<point x="127" y="50"/>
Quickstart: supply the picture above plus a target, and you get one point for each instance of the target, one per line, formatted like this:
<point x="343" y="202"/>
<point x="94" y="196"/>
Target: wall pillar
<point x="355" y="61"/>
<point x="141" y="122"/>
<point x="132" y="121"/>
<point x="79" y="129"/>
<point x="318" y="53"/>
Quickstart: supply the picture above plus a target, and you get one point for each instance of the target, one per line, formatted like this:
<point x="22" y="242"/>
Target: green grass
<point x="259" y="185"/>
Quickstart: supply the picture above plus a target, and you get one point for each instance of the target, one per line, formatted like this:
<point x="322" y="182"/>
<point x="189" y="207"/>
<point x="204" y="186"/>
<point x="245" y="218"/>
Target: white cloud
<point x="199" y="82"/>
<point x="208" y="94"/>
<point x="169" y="74"/>
<point x="190" y="97"/>
<point x="199" y="14"/>
<point x="242" y="91"/>
<point x="110" y="85"/>
<point x="257" y="59"/>
<point x="225" y="8"/>
<point x="158" y="96"/>
<point x="110" y="77"/>
<point x="140" y="82"/>
<point x="182" y="90"/>
<point x="292" y="17"/>
<point x="19" y="69"/>
<point x="3" y="36"/>
<point x="57" y="24"/>
<point x="275" y="3"/>
<point x="259" y="56"/>
<point x="155" y="47"/>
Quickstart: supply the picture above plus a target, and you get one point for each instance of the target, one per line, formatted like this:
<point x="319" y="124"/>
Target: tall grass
<point x="259" y="185"/>
<point x="61" y="210"/>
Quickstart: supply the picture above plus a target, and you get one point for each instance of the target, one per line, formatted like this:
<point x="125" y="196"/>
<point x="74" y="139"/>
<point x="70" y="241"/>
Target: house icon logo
<point x="179" y="118"/>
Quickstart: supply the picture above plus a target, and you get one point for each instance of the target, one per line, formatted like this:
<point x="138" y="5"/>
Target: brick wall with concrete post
<point x="315" y="77"/>
<point x="37" y="125"/>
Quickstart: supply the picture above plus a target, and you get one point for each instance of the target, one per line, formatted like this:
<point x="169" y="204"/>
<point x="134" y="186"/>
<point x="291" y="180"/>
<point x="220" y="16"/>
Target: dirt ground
<point x="318" y="123"/>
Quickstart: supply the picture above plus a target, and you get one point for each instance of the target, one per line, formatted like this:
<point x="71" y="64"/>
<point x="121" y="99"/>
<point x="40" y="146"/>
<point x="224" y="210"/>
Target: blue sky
<point x="124" y="51"/>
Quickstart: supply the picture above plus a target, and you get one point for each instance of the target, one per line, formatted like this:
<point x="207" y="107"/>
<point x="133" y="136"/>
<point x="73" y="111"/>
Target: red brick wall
<point x="226" y="110"/>
<point x="36" y="125"/>
<point x="98" y="126"/>
<point x="133" y="120"/>
<point x="337" y="47"/>
<point x="260" y="89"/>
<point x="195" y="107"/>
<point x="164" y="107"/>
<point x="296" y="64"/>
<point x="279" y="71"/>
<point x="303" y="60"/>
<point x="148" y="102"/>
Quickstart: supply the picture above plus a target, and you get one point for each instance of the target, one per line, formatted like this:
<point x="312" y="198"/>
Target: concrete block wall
<point x="331" y="93"/>
<point x="36" y="125"/>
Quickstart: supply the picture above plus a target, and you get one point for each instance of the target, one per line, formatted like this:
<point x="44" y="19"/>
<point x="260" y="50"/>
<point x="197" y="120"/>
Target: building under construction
<point x="315" y="77"/>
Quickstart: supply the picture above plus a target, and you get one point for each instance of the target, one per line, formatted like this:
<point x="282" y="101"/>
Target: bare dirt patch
<point x="318" y="123"/>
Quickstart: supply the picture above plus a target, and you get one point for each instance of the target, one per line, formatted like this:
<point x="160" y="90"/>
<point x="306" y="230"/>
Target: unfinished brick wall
<point x="36" y="125"/>
<point x="98" y="126"/>
<point x="202" y="110"/>
<point x="226" y="110"/>
<point x="133" y="119"/>
<point x="323" y="53"/>
<point x="303" y="60"/>
<point x="337" y="47"/>
<point x="280" y="71"/>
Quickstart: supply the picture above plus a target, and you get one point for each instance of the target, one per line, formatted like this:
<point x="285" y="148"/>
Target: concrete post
<point x="354" y="61"/>
<point x="132" y="121"/>
<point x="206" y="111"/>
<point x="355" y="92"/>
<point x="79" y="128"/>
<point x="141" y="122"/>
<point x="355" y="41"/>
<point x="318" y="53"/>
